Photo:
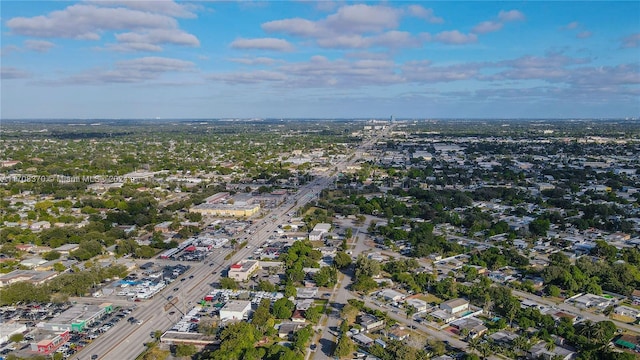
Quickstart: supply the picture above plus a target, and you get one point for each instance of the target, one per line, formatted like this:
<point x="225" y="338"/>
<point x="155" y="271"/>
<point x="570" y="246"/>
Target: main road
<point x="126" y="341"/>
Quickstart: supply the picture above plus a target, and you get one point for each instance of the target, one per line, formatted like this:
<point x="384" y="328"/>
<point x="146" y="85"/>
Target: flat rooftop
<point x="78" y="312"/>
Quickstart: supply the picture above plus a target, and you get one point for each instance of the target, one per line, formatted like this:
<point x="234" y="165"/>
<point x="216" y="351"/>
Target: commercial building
<point x="77" y="317"/>
<point x="226" y="210"/>
<point x="32" y="276"/>
<point x="48" y="346"/>
<point x="242" y="270"/>
<point x="235" y="310"/>
<point x="8" y="329"/>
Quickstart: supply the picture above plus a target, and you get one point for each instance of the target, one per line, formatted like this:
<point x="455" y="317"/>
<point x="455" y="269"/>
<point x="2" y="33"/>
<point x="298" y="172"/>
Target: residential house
<point x="443" y="315"/>
<point x="369" y="322"/>
<point x="628" y="341"/>
<point x="455" y="306"/>
<point x="503" y="337"/>
<point x="391" y="295"/>
<point x="286" y="330"/>
<point x="362" y="339"/>
<point x="398" y="333"/>
<point x="473" y="326"/>
<point x="635" y="296"/>
<point x="539" y="350"/>
<point x="298" y="316"/>
<point x="417" y="304"/>
<point x="627" y="311"/>
<point x="591" y="300"/>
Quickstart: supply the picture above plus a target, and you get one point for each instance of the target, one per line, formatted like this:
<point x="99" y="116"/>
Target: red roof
<point x="236" y="266"/>
<point x="190" y="248"/>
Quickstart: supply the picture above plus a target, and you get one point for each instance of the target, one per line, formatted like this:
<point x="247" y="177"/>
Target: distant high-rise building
<point x="393" y="118"/>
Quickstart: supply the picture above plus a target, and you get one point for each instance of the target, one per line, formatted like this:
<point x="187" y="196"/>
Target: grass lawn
<point x="430" y="298"/>
<point x="317" y="243"/>
<point x="310" y="211"/>
<point x="622" y="318"/>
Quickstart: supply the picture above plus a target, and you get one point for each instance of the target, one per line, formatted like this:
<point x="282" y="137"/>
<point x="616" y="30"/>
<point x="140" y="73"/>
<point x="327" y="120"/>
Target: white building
<point x="455" y="306"/>
<point x="235" y="310"/>
<point x="8" y="329"/>
<point x="322" y="227"/>
<point x="419" y="305"/>
<point x="391" y="295"/>
<point x="242" y="270"/>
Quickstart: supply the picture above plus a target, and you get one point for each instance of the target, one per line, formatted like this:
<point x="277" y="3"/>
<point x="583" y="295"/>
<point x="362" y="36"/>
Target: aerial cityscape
<point x="319" y="180"/>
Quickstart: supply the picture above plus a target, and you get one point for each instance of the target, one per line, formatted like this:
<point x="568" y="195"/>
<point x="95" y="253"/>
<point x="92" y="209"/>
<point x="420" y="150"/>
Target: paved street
<point x="568" y="308"/>
<point x="126" y="341"/>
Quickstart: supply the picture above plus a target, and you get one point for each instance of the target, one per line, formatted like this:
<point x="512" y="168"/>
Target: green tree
<point x="185" y="350"/>
<point x="51" y="255"/>
<point x="313" y="314"/>
<point x="228" y="283"/>
<point x="16" y="337"/>
<point x="264" y="285"/>
<point x="326" y="277"/>
<point x="539" y="227"/>
<point x="302" y="337"/>
<point x="342" y="260"/>
<point x="59" y="267"/>
<point x="283" y="308"/>
<point x="262" y="315"/>
<point x="344" y="347"/>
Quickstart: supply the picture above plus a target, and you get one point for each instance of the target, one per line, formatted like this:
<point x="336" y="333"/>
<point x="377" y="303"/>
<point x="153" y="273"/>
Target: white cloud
<point x="262" y="44"/>
<point x="605" y="76"/>
<point x="87" y="22"/>
<point x="149" y="24"/>
<point x="584" y="34"/>
<point x="249" y="77"/>
<point x="320" y="72"/>
<point x="294" y="27"/>
<point x="346" y="28"/>
<point x="487" y="27"/>
<point x="6" y="50"/>
<point x="254" y="61"/>
<point x="496" y="25"/>
<point x="631" y="41"/>
<point x="362" y="18"/>
<point x="511" y="15"/>
<point x="424" y="72"/>
<point x="38" y="45"/>
<point x="352" y="41"/>
<point x="396" y="39"/>
<point x="149" y="40"/>
<point x="132" y="71"/>
<point x="572" y="25"/>
<point x="134" y="47"/>
<point x="422" y="13"/>
<point x="9" y="73"/>
<point x="326" y="5"/>
<point x="454" y="37"/>
<point x="167" y="7"/>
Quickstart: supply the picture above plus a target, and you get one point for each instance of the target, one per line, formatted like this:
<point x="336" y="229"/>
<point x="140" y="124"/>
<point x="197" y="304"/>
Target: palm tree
<point x="588" y="329"/>
<point x="550" y="346"/>
<point x="474" y="343"/>
<point x="485" y="349"/>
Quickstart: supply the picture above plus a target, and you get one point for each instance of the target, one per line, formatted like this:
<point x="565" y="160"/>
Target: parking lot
<point x="30" y="315"/>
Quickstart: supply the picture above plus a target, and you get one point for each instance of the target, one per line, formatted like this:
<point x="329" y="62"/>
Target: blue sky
<point x="296" y="59"/>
